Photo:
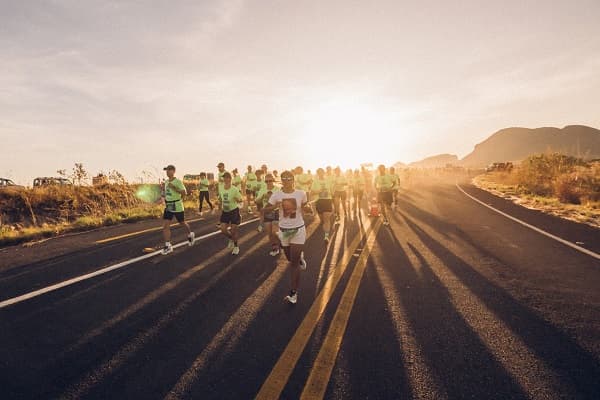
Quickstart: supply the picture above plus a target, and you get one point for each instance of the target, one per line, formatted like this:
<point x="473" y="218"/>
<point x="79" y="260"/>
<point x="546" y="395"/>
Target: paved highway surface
<point x="452" y="301"/>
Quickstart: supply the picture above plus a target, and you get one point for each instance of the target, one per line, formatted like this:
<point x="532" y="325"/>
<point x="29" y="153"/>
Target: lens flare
<point x="148" y="193"/>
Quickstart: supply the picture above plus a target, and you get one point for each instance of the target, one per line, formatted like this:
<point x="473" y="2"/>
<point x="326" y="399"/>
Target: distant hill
<point x="515" y="144"/>
<point x="440" y="160"/>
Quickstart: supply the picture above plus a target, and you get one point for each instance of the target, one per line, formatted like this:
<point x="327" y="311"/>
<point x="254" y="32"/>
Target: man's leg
<point x="295" y="252"/>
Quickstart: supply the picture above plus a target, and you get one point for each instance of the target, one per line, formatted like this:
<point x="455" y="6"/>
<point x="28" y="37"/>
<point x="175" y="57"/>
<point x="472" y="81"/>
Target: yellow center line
<point x="320" y="373"/>
<point x="277" y="379"/>
<point x="158" y="228"/>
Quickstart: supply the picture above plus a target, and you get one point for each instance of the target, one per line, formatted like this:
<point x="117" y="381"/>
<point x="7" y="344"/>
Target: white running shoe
<point x="235" y="251"/>
<point x="167" y="249"/>
<point x="292" y="298"/>
<point x="191" y="238"/>
<point x="274" y="252"/>
<point x="260" y="228"/>
<point x="386" y="222"/>
<point x="302" y="262"/>
<point x="230" y="244"/>
<point x="326" y="239"/>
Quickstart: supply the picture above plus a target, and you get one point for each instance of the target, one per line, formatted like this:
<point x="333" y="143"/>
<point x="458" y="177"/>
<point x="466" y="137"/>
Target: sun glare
<point x="347" y="134"/>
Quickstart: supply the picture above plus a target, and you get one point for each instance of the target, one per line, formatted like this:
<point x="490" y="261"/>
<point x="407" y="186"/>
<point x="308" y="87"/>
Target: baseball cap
<point x="170" y="166"/>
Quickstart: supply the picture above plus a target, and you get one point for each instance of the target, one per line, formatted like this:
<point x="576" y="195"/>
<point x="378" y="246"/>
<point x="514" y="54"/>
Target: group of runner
<point x="281" y="203"/>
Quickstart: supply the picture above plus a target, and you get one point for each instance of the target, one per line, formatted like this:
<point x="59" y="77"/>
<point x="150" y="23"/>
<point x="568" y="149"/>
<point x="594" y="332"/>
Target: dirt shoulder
<point x="587" y="213"/>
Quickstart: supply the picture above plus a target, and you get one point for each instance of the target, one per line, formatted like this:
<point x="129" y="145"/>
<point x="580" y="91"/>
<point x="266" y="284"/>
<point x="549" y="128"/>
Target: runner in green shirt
<point x="321" y="189"/>
<point x="259" y="185"/>
<point x="384" y="184"/>
<point x="270" y="219"/>
<point x="303" y="181"/>
<point x="358" y="189"/>
<point x="249" y="188"/>
<point x="237" y="179"/>
<point x="229" y="197"/>
<point x="396" y="179"/>
<point x="220" y="181"/>
<point x="174" y="190"/>
<point x="340" y="187"/>
<point x="204" y="194"/>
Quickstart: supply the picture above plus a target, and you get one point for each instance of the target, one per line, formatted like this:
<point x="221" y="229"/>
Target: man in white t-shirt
<point x="292" y="233"/>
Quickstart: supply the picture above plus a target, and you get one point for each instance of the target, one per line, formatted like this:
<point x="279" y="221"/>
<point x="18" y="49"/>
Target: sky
<point x="136" y="85"/>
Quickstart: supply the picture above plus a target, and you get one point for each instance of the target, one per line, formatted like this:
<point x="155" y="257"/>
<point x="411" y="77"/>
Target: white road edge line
<point x="36" y="293"/>
<point x="543" y="232"/>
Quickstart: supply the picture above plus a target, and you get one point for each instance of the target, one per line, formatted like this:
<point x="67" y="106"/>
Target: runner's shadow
<point x="559" y="351"/>
<point x="430" y="219"/>
<point x="451" y="349"/>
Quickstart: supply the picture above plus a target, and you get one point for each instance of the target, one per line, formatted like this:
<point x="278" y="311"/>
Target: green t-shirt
<point x="384" y="183"/>
<point x="340" y="183"/>
<point x="221" y="181"/>
<point x="259" y="185"/>
<point x="203" y="185"/>
<point x="229" y="198"/>
<point x="173" y="199"/>
<point x="303" y="182"/>
<point x="250" y="178"/>
<point x="237" y="181"/>
<point x="265" y="194"/>
<point x="396" y="179"/>
<point x="358" y="182"/>
<point x="322" y="187"/>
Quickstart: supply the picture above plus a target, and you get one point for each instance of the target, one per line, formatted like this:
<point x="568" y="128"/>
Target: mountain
<point x="515" y="144"/>
<point x="440" y="160"/>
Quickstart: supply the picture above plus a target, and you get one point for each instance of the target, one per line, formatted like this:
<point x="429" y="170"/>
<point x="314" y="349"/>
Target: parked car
<point x="500" y="166"/>
<point x="47" y="181"/>
<point x="7" y="183"/>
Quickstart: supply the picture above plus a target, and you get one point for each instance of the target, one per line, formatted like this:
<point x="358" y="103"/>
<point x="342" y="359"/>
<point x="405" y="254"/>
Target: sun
<point x="346" y="134"/>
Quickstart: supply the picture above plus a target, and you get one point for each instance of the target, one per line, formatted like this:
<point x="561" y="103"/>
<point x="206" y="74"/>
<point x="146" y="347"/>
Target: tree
<point x="116" y="177"/>
<point x="80" y="175"/>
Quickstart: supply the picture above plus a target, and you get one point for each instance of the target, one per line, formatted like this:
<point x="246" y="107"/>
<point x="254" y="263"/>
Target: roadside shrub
<point x="566" y="189"/>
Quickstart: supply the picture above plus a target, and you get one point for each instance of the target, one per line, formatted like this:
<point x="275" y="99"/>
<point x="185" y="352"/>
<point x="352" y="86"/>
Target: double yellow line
<point x="325" y="361"/>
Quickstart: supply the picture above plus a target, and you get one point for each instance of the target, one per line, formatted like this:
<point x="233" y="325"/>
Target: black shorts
<point x="324" y="205"/>
<point x="385" y="197"/>
<point x="340" y="194"/>
<point x="168" y="215"/>
<point x="272" y="216"/>
<point x="231" y="217"/>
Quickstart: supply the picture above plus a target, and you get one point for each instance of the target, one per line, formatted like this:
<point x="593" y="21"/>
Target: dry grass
<point x="33" y="214"/>
<point x="556" y="184"/>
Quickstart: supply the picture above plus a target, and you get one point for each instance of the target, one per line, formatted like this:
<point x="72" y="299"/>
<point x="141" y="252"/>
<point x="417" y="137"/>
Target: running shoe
<point x="218" y="224"/>
<point x="326" y="239"/>
<point x="191" y="238"/>
<point x="260" y="228"/>
<point x="274" y="252"/>
<point x="235" y="251"/>
<point x="167" y="249"/>
<point x="386" y="222"/>
<point x="230" y="244"/>
<point x="302" y="261"/>
<point x="292" y="298"/>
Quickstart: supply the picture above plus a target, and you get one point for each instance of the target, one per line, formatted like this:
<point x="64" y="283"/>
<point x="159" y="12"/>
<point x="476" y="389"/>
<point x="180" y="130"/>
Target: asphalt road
<point x="452" y="301"/>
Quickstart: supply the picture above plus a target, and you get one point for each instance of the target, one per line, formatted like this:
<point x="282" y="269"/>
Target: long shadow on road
<point x="573" y="364"/>
<point x="459" y="361"/>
